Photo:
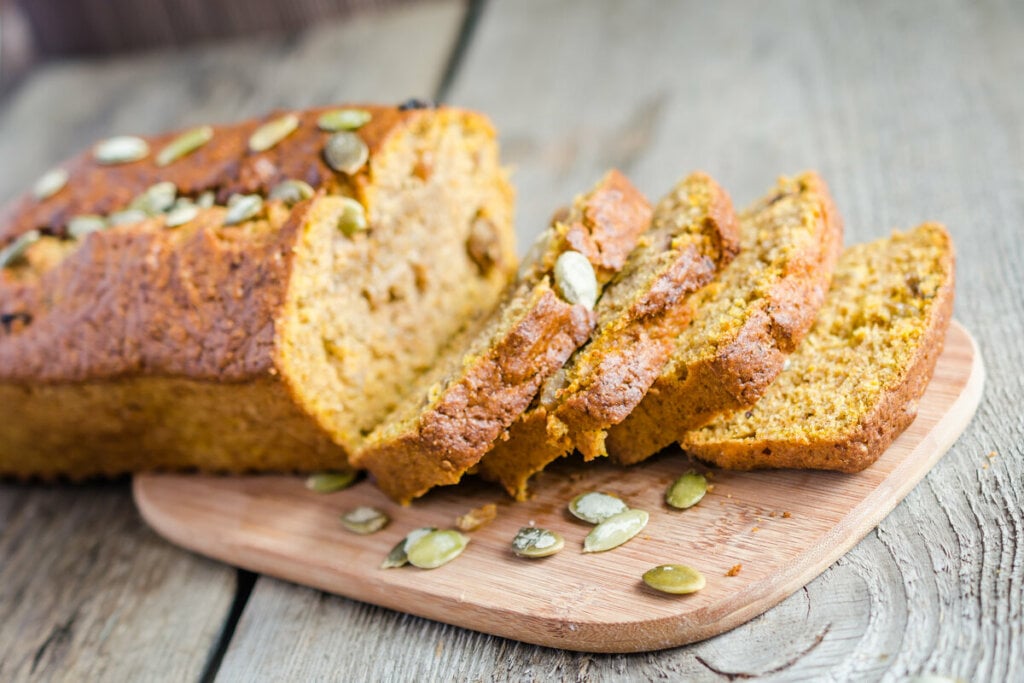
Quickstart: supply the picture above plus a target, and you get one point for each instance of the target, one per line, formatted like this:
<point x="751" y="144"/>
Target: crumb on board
<point x="755" y="529"/>
<point x="477" y="517"/>
<point x="711" y="487"/>
<point x="992" y="454"/>
<point x="786" y="515"/>
<point x="734" y="570"/>
<point x="773" y="513"/>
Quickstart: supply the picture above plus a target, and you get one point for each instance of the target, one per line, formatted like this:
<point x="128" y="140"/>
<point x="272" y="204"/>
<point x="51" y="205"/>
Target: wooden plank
<point x="86" y="590"/>
<point x="911" y="112"/>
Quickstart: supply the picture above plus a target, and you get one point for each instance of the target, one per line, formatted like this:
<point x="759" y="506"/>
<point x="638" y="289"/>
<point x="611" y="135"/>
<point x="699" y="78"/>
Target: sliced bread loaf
<point x="853" y="385"/>
<point x="758" y="310"/>
<point x="693" y="233"/>
<point x="488" y="376"/>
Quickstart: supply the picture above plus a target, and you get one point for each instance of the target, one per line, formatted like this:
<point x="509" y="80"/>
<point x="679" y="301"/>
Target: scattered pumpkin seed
<point x="50" y="183"/>
<point x="121" y="149"/>
<point x="127" y="217"/>
<point x="242" y="208"/>
<point x="436" y="548"/>
<point x="184" y="144"/>
<point x="575" y="280"/>
<point x="180" y="215"/>
<point x="398" y="556"/>
<point x="292" y="192"/>
<point x="272" y="132"/>
<point x="158" y="198"/>
<point x="352" y="218"/>
<point x="346" y="152"/>
<point x="343" y="119"/>
<point x="477" y="517"/>
<point x="614" y="531"/>
<point x="595" y="507"/>
<point x="206" y="199"/>
<point x="533" y="542"/>
<point x="13" y="251"/>
<point x="687" y="490"/>
<point x="329" y="482"/>
<point x="80" y="226"/>
<point x="677" y="579"/>
<point x="364" y="520"/>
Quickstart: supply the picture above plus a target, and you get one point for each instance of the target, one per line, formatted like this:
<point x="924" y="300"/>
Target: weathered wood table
<point x="912" y="111"/>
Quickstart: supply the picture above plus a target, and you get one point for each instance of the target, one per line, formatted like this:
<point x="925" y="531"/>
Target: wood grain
<point x="783" y="528"/>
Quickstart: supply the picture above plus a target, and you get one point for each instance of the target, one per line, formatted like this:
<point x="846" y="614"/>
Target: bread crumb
<point x="773" y="513"/>
<point x="711" y="487"/>
<point x="786" y="515"/>
<point x="734" y="570"/>
<point x="755" y="529"/>
<point x="477" y="517"/>
<point x="992" y="454"/>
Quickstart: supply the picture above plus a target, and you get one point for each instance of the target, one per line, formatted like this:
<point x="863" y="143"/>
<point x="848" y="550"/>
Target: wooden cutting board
<point x="781" y="529"/>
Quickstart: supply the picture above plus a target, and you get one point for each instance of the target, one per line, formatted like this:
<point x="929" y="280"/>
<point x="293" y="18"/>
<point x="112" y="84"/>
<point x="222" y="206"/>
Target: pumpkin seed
<point x="180" y="215"/>
<point x="121" y="149"/>
<point x="436" y="548"/>
<point x="352" y="218"/>
<point x="364" y="520"/>
<point x="184" y="144"/>
<point x="533" y="541"/>
<point x="677" y="579"/>
<point x="157" y="199"/>
<point x="329" y="482"/>
<point x="13" y="251"/>
<point x="687" y="490"/>
<point x="614" y="531"/>
<point x="272" y="132"/>
<point x="398" y="556"/>
<point x="80" y="226"/>
<point x="292" y="192"/>
<point x="343" y="119"/>
<point x="50" y="183"/>
<point x="242" y="208"/>
<point x="206" y="200"/>
<point x="127" y="217"/>
<point x="595" y="507"/>
<point x="346" y="152"/>
<point x="575" y="280"/>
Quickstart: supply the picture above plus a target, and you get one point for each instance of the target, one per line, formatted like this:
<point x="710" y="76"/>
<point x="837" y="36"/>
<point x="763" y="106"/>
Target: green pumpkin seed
<point x="184" y="144"/>
<point x="343" y="119"/>
<point x="329" y="482"/>
<point x="121" y="149"/>
<point x="533" y="541"/>
<point x="80" y="226"/>
<point x="206" y="200"/>
<point x="272" y="132"/>
<point x="398" y="556"/>
<point x="346" y="152"/>
<point x="364" y="520"/>
<point x="157" y="199"/>
<point x="436" y="548"/>
<point x="595" y="507"/>
<point x="13" y="251"/>
<point x="352" y="218"/>
<point x="677" y="579"/>
<point x="50" y="183"/>
<point x="575" y="280"/>
<point x="614" y="531"/>
<point x="180" y="215"/>
<point x="127" y="217"/>
<point x="292" y="192"/>
<point x="242" y="208"/>
<point x="687" y="490"/>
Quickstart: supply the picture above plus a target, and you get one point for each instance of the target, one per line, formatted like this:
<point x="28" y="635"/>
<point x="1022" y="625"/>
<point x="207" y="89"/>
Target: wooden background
<point x="910" y="110"/>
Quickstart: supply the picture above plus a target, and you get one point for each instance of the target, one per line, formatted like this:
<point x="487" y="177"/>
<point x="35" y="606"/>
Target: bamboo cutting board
<point x="781" y="529"/>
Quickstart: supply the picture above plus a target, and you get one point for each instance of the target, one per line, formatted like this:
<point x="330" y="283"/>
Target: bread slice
<point x="854" y="384"/>
<point x="693" y="234"/>
<point x="488" y="376"/>
<point x="757" y="311"/>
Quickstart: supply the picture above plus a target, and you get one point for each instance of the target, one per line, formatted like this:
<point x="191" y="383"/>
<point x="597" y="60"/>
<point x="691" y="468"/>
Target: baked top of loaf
<point x="489" y="375"/>
<point x="758" y="310"/>
<point x="693" y="233"/>
<point x="853" y="385"/>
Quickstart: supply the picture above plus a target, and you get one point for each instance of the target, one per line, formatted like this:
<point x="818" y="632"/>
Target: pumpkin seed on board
<point x="595" y="507"/>
<point x="398" y="556"/>
<point x="346" y="152"/>
<point x="183" y="145"/>
<point x="677" y="579"/>
<point x="13" y="251"/>
<point x="121" y="149"/>
<point x="614" y="531"/>
<point x="364" y="520"/>
<point x="329" y="482"/>
<point x="343" y="119"/>
<point x="352" y="218"/>
<point x="272" y="132"/>
<point x="50" y="183"/>
<point x="291" y="192"/>
<point x="242" y="208"/>
<point x="436" y="548"/>
<point x="533" y="542"/>
<point x="80" y="226"/>
<point x="575" y="280"/>
<point x="687" y="490"/>
<point x="127" y="217"/>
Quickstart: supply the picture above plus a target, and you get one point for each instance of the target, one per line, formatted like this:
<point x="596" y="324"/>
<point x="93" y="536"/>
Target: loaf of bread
<point x="247" y="297"/>
<point x="693" y="233"/>
<point x="488" y="376"/>
<point x="758" y="310"/>
<point x="853" y="385"/>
